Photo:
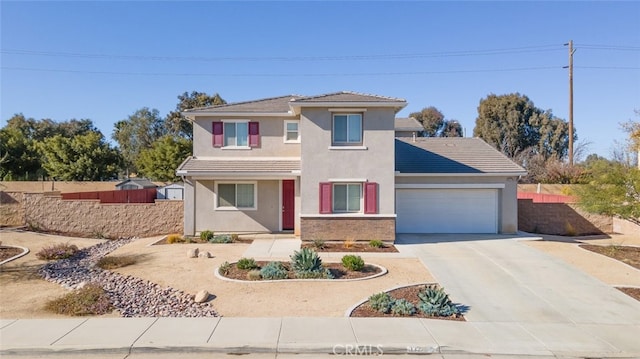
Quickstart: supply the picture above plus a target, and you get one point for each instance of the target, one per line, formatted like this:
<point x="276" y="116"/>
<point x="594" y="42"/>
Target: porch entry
<point x="288" y="204"/>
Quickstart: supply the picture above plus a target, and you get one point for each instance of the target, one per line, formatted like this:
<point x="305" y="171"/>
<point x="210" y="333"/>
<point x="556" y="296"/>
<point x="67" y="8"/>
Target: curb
<point x="25" y="251"/>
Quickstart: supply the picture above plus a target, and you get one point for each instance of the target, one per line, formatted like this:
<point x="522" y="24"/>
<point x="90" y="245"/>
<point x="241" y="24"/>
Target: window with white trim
<point x="347" y="129"/>
<point x="236" y="134"/>
<point x="242" y="134"/>
<point x="291" y="132"/>
<point x="238" y="195"/>
<point x="347" y="197"/>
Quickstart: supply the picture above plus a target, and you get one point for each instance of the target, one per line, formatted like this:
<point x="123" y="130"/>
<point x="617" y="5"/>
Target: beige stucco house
<point x="330" y="167"/>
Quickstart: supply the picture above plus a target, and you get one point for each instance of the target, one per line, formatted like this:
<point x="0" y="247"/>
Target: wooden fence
<point x="146" y="195"/>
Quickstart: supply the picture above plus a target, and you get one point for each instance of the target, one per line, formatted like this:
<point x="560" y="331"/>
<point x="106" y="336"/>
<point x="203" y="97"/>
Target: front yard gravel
<point x="133" y="297"/>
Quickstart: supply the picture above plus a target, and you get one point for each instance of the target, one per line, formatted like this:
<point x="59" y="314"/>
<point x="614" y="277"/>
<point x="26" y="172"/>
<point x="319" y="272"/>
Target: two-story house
<point x="329" y="167"/>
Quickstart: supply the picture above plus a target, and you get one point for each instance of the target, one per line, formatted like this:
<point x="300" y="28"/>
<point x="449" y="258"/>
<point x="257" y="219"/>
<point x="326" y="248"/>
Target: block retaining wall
<point x="560" y="219"/>
<point x="90" y="217"/>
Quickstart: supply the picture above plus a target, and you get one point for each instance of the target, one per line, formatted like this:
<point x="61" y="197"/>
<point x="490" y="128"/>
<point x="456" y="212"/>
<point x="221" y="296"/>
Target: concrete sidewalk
<point x="335" y="336"/>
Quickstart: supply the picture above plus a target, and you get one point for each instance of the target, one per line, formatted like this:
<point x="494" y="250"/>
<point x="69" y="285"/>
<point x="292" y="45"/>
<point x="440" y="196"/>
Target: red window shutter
<point x="325" y="198"/>
<point x="218" y="139"/>
<point x="370" y="198"/>
<point x="254" y="134"/>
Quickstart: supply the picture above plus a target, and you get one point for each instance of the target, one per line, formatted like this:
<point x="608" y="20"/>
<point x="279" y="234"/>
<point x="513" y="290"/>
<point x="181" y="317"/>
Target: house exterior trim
<point x="480" y="174"/>
<point x="452" y="186"/>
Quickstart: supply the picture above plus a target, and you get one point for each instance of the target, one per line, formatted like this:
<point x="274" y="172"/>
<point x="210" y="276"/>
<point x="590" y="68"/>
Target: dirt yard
<point x="23" y="293"/>
<point x="606" y="269"/>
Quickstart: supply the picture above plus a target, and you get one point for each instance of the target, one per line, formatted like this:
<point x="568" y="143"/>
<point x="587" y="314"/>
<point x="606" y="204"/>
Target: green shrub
<point x="174" y="238"/>
<point x="235" y="237"/>
<point x="89" y="300"/>
<point x="274" y="270"/>
<point x="319" y="274"/>
<point x="403" y="307"/>
<point x="353" y="262"/>
<point x="224" y="268"/>
<point x="318" y="244"/>
<point x="206" y="235"/>
<point x="113" y="262"/>
<point x="435" y="301"/>
<point x="306" y="260"/>
<point x="246" y="263"/>
<point x="221" y="238"/>
<point x="376" y="243"/>
<point x="253" y="274"/>
<point x="381" y="302"/>
<point x="57" y="251"/>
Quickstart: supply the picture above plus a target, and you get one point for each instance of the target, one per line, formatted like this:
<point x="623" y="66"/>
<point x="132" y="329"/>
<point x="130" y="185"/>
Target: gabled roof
<point x="407" y="124"/>
<point x="235" y="166"/>
<point x="142" y="182"/>
<point x="287" y="105"/>
<point x="452" y="155"/>
<point x="268" y="105"/>
<point x="348" y="96"/>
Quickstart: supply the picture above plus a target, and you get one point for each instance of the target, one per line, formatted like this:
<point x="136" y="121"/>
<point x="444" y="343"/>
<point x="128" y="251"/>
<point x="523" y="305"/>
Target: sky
<point x="103" y="60"/>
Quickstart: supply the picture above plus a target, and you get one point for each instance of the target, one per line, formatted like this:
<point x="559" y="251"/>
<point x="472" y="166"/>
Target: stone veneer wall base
<point x="342" y="229"/>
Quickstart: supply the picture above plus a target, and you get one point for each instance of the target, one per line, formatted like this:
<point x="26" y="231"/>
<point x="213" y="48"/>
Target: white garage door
<point x="447" y="210"/>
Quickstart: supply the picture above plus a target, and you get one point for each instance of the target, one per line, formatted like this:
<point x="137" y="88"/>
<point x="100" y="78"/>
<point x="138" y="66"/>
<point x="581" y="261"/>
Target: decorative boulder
<point x="204" y="255"/>
<point x="202" y="296"/>
<point x="193" y="253"/>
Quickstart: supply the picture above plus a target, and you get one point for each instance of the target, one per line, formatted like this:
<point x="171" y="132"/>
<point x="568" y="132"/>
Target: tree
<point x="84" y="157"/>
<point x="159" y="162"/>
<point x="19" y="140"/>
<point x="632" y="146"/>
<point x="451" y="128"/>
<point x="613" y="189"/>
<point x="179" y="125"/>
<point x="513" y="125"/>
<point x="137" y="132"/>
<point x="435" y="124"/>
<point x="19" y="159"/>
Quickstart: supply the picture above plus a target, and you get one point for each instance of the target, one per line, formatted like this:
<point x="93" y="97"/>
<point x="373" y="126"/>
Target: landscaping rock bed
<point x="337" y="269"/>
<point x="410" y="293"/>
<point x="132" y="297"/>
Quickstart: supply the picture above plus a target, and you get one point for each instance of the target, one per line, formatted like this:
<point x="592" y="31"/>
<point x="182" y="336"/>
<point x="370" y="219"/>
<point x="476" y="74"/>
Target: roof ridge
<point x="350" y="93"/>
<point x="243" y="102"/>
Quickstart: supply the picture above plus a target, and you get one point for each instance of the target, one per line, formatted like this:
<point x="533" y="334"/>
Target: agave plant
<point x="435" y="301"/>
<point x="306" y="260"/>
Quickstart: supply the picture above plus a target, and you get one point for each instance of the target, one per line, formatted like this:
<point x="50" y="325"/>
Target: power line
<point x="608" y="47"/>
<point x="281" y="74"/>
<point x="489" y="52"/>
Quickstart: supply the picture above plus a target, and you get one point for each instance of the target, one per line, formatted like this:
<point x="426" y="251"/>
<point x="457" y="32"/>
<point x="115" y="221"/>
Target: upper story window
<point x="236" y="134"/>
<point x="347" y="129"/>
<point x="291" y="132"/>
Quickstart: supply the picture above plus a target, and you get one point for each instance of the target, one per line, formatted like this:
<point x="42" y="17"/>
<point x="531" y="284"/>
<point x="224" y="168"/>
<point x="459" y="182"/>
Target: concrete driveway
<point x="526" y="291"/>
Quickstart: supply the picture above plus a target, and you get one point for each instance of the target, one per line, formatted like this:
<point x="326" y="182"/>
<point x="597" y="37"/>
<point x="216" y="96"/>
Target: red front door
<point x="288" y="204"/>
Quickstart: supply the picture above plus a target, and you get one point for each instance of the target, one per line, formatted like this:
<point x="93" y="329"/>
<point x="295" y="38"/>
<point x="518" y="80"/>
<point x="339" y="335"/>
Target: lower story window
<point x="347" y="197"/>
<point x="236" y="195"/>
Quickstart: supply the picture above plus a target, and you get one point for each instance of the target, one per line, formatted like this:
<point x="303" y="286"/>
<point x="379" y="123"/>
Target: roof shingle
<point x="239" y="166"/>
<point x="407" y="124"/>
<point x="347" y="96"/>
<point x="273" y="104"/>
<point x="453" y="155"/>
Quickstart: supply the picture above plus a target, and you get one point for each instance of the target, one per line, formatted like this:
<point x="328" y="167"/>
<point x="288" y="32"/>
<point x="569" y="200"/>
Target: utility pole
<point x="571" y="52"/>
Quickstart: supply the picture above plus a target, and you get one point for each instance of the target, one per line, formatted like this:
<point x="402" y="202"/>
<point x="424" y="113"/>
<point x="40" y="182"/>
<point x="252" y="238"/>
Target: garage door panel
<point x="446" y="210"/>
